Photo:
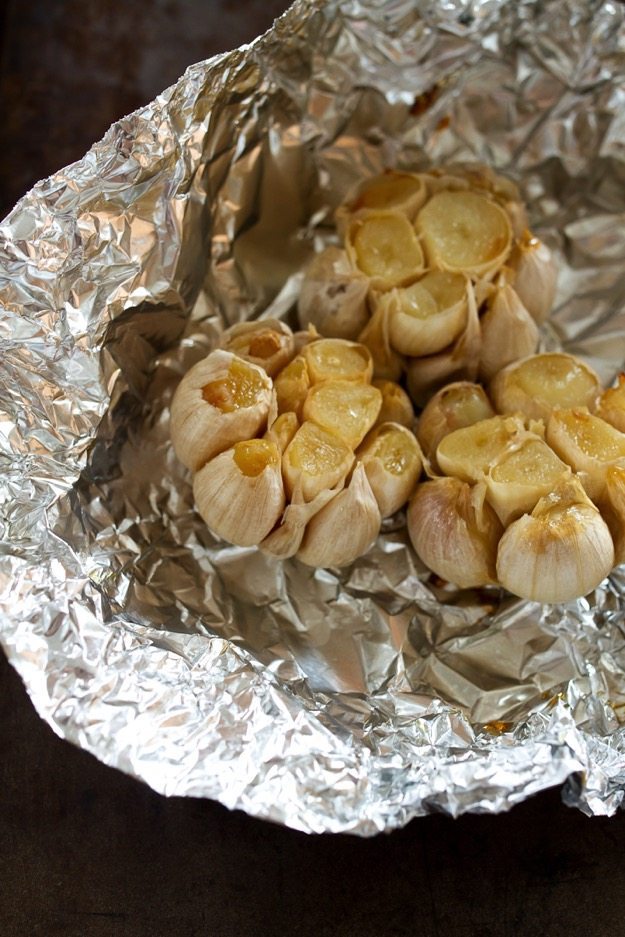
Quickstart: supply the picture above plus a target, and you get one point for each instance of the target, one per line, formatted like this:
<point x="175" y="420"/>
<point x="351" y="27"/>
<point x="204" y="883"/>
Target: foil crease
<point x="326" y="700"/>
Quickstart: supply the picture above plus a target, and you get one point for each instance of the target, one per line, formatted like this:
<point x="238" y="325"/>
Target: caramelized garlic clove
<point x="469" y="452"/>
<point x="538" y="384"/>
<point x="269" y="343"/>
<point x="588" y="444"/>
<point x="404" y="192"/>
<point x="393" y="463"/>
<point x="240" y="494"/>
<point x="291" y="386"/>
<point x="465" y="232"/>
<point x="384" y="246"/>
<point x="508" y="332"/>
<point x="334" y="359"/>
<point x="396" y="404"/>
<point x="612" y="507"/>
<point x="314" y="460"/>
<point x="344" y="528"/>
<point x="429" y="315"/>
<point x="220" y="401"/>
<point x="536" y="276"/>
<point x="282" y="430"/>
<point x="348" y="409"/>
<point x="521" y="476"/>
<point x="453" y="407"/>
<point x="333" y="295"/>
<point x="612" y="405"/>
<point x="454" y="531"/>
<point x="559" y="552"/>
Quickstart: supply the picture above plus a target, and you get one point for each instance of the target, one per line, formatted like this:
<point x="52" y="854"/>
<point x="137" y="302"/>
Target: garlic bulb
<point x="268" y="343"/>
<point x="315" y="459"/>
<point x="459" y="362"/>
<point x="538" y="384"/>
<point x="536" y="276"/>
<point x="588" y="444"/>
<point x="404" y="192"/>
<point x="396" y="404"/>
<point x="347" y="409"/>
<point x="333" y="295"/>
<point x="426" y="317"/>
<point x="508" y="332"/>
<point x="391" y="458"/>
<point x="454" y="406"/>
<point x="454" y="531"/>
<point x="285" y="540"/>
<point x="387" y="364"/>
<point x="559" y="552"/>
<point x="220" y="401"/>
<point x="464" y="232"/>
<point x="345" y="528"/>
<point x="240" y="494"/>
<point x="384" y="246"/>
<point x="612" y="405"/>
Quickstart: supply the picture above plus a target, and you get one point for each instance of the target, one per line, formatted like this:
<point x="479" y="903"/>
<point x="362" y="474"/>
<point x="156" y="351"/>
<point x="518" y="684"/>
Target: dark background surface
<point x="88" y="852"/>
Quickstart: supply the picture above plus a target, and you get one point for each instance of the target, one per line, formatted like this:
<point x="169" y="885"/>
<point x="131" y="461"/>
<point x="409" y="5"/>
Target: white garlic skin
<point x="242" y="338"/>
<point x="559" y="552"/>
<point x="508" y="332"/>
<point x="333" y="296"/>
<point x="345" y="528"/>
<point x="199" y="431"/>
<point x="239" y="508"/>
<point x="536" y="277"/>
<point x="454" y="532"/>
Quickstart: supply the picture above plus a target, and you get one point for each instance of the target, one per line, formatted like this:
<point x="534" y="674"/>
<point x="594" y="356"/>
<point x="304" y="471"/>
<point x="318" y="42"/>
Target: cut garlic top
<point x="348" y="409"/>
<point x="330" y="359"/>
<point x="468" y="453"/>
<point x="268" y="343"/>
<point x="426" y="317"/>
<point x="221" y="400"/>
<point x="315" y="459"/>
<point x="392" y="461"/>
<point x="588" y="444"/>
<point x="541" y="383"/>
<point x="385" y="247"/>
<point x="453" y="407"/>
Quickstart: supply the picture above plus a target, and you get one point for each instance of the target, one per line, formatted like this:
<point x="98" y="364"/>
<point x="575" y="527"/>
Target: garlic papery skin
<point x="220" y="401"/>
<point x="469" y="452"/>
<point x="454" y="531"/>
<point x="396" y="404"/>
<point x="285" y="540"/>
<point x="384" y="246"/>
<point x="453" y="407"/>
<point x="536" y="276"/>
<point x="508" y="332"/>
<point x="464" y="232"/>
<point x="315" y="459"/>
<point x="612" y="405"/>
<point x="240" y="494"/>
<point x="387" y="364"/>
<point x="333" y="295"/>
<point x="588" y="444"/>
<point x="404" y="192"/>
<point x="521" y="476"/>
<point x="426" y="317"/>
<point x="291" y="386"/>
<point x="559" y="552"/>
<point x="538" y="384"/>
<point x="393" y="463"/>
<point x="348" y="409"/>
<point x="345" y="528"/>
<point x="334" y="359"/>
<point x="269" y="343"/>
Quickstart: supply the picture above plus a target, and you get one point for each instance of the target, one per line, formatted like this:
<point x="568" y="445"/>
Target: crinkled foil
<point x="324" y="700"/>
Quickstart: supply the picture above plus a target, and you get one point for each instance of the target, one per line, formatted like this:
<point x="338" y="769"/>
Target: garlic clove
<point x="393" y="463"/>
<point x="384" y="246"/>
<point x="460" y="361"/>
<point x="538" y="384"/>
<point x="345" y="528"/>
<point x="588" y="444"/>
<point x="559" y="552"/>
<point x="240" y="494"/>
<point x="469" y="452"/>
<point x="348" y="409"/>
<point x="333" y="295"/>
<point x="396" y="404"/>
<point x="282" y="430"/>
<point x="268" y="343"/>
<point x="612" y="507"/>
<point x="285" y="540"/>
<point x="454" y="406"/>
<point x="508" y="332"/>
<point x="464" y="232"/>
<point x="403" y="192"/>
<point x="454" y="531"/>
<point x="426" y="317"/>
<point x="521" y="476"/>
<point x="536" y="276"/>
<point x="315" y="459"/>
<point x="612" y="405"/>
<point x="331" y="359"/>
<point x="387" y="364"/>
<point x="220" y="401"/>
<point x="292" y="386"/>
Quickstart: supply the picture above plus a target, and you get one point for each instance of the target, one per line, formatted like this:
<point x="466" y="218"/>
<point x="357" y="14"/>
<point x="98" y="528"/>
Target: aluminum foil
<point x="331" y="700"/>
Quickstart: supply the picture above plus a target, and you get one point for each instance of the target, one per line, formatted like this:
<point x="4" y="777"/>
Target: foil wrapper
<point x="326" y="700"/>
